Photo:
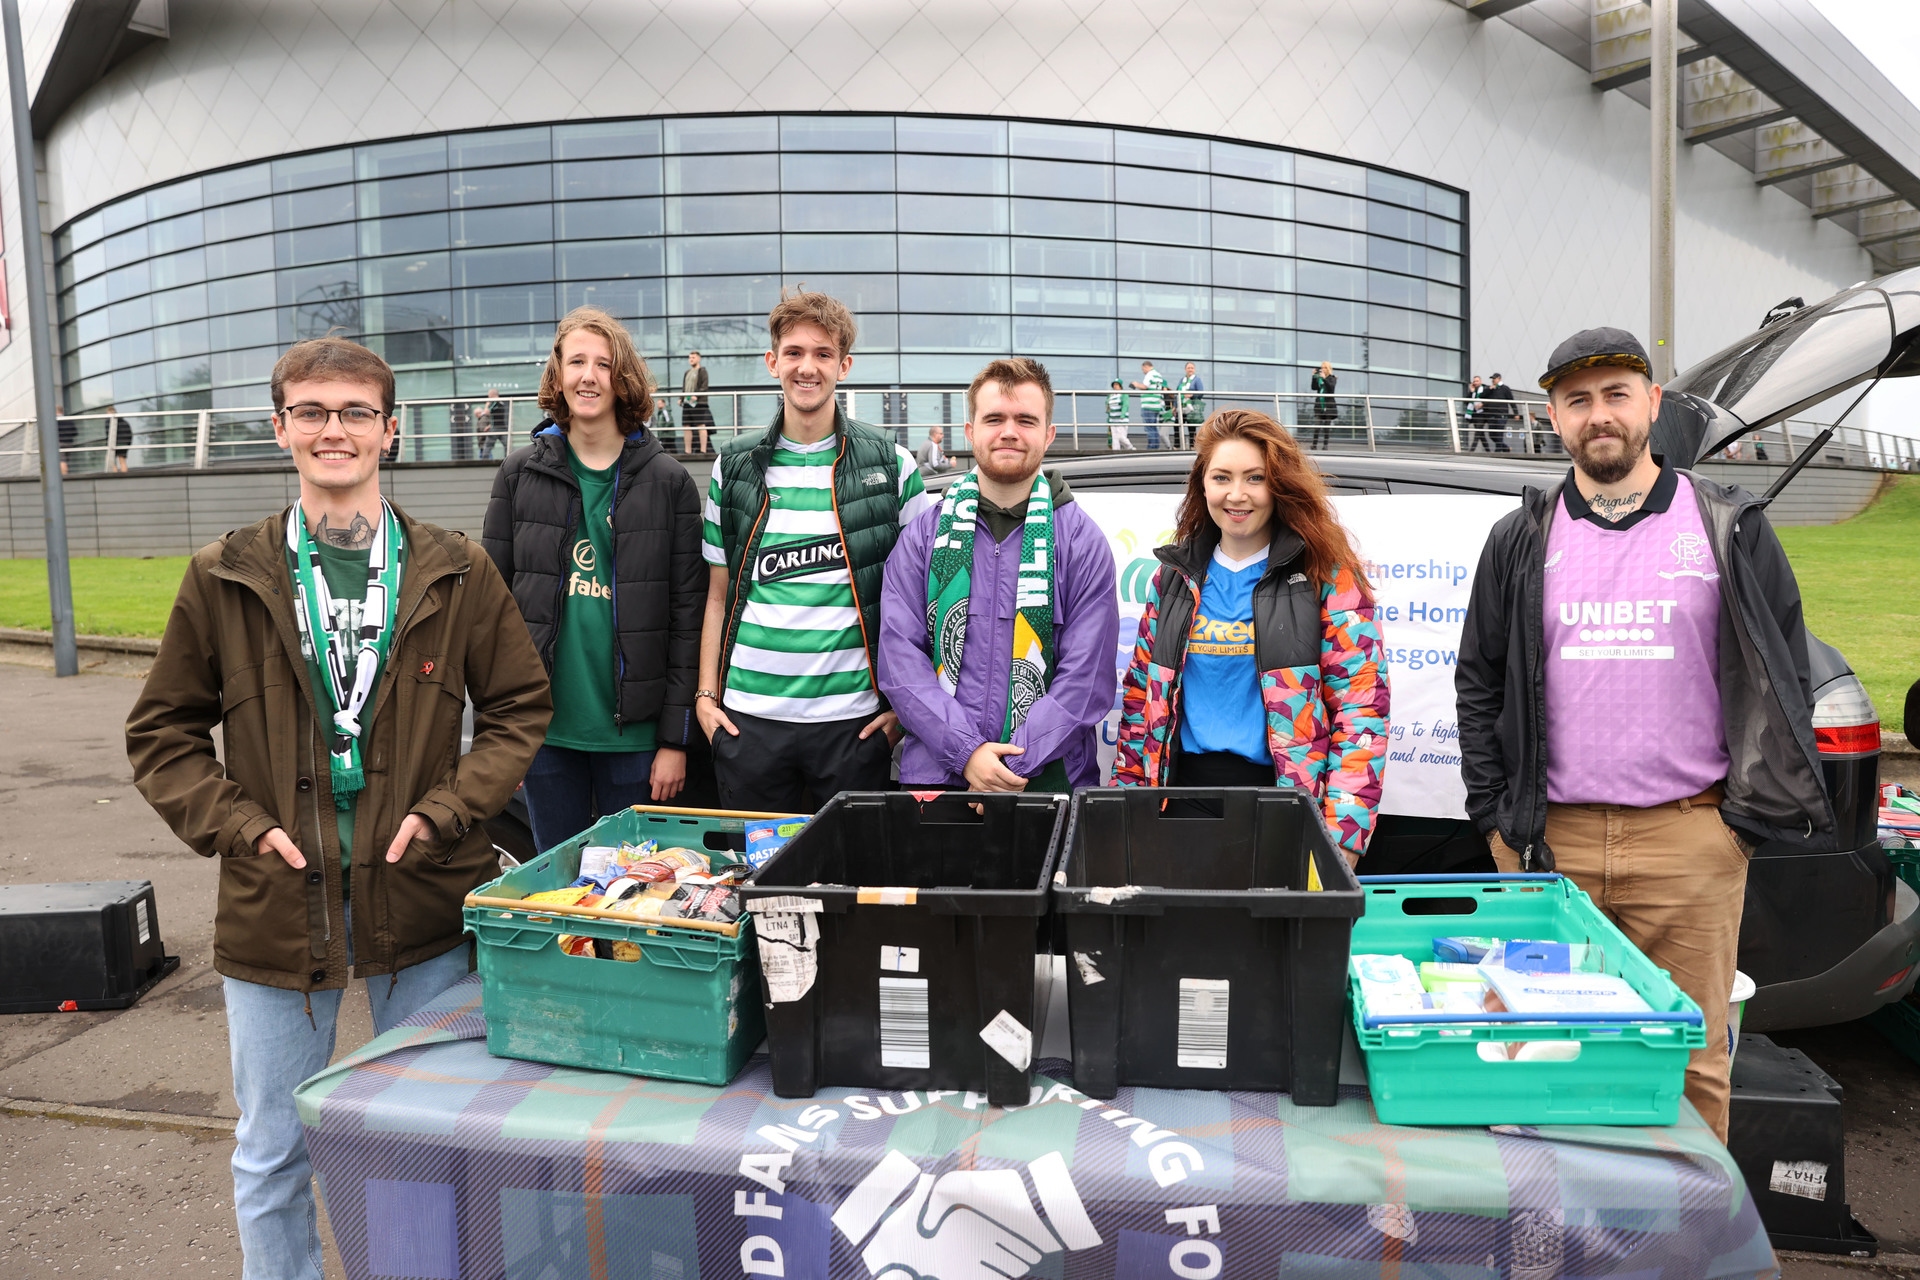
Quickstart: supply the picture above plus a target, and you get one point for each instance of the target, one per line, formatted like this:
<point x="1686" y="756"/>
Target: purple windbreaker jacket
<point x="943" y="731"/>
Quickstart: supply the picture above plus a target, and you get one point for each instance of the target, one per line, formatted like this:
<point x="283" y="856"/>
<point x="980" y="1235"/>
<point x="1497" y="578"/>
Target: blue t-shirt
<point x="1220" y="706"/>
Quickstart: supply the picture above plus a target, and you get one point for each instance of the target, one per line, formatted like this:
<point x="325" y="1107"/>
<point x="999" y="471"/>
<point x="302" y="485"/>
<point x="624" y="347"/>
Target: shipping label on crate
<point x="1419" y="551"/>
<point x="904" y="1041"/>
<point x="1804" y="1178"/>
<point x="1203" y="1024"/>
<point x="789" y="945"/>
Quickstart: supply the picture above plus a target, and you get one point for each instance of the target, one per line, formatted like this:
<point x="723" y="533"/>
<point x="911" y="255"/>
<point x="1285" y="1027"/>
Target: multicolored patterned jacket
<point x="1323" y="678"/>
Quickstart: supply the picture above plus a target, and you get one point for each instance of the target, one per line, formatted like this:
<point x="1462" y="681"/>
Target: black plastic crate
<point x="1198" y="955"/>
<point x="919" y="918"/>
<point x="1784" y="1130"/>
<point x="91" y="944"/>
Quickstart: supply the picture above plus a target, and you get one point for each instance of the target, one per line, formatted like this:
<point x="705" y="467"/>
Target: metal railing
<point x="473" y="429"/>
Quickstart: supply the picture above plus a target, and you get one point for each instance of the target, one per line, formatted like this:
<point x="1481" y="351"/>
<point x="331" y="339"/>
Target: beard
<point x="1002" y="471"/>
<point x="1611" y="468"/>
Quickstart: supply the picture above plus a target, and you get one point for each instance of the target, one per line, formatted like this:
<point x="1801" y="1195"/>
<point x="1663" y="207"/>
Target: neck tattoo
<point x="357" y="536"/>
<point x="1612" y="509"/>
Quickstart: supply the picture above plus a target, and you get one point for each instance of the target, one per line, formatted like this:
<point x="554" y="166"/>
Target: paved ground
<point x="109" y="1198"/>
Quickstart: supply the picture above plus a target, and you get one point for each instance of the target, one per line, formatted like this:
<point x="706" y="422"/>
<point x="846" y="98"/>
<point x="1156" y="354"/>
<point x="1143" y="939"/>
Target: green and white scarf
<point x="950" y="584"/>
<point x="352" y="638"/>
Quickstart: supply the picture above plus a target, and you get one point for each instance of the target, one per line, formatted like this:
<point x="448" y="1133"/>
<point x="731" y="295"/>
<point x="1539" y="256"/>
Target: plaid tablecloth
<point x="438" y="1160"/>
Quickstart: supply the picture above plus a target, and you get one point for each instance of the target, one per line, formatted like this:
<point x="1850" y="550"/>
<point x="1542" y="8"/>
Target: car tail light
<point x="1894" y="981"/>
<point x="1844" y="721"/>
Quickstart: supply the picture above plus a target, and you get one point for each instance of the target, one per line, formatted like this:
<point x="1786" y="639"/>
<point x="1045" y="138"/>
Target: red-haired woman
<point x="1258" y="661"/>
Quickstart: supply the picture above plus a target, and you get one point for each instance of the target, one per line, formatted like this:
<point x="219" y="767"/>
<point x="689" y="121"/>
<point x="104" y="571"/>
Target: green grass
<point x="1860" y="580"/>
<point x="112" y="596"/>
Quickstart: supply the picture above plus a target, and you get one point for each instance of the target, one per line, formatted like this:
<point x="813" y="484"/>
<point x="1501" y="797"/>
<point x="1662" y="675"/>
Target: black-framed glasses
<point x="355" y="419"/>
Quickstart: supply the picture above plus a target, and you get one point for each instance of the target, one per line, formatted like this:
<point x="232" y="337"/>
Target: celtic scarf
<point x="346" y="639"/>
<point x="950" y="583"/>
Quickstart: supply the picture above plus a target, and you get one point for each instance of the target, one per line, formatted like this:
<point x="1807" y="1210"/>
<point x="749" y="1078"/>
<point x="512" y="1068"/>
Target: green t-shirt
<point x="347" y="579"/>
<point x="586" y="657"/>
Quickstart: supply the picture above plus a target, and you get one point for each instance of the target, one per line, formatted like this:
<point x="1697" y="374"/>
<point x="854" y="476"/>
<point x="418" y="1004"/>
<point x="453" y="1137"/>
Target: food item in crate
<point x="1557" y="993"/>
<point x="668" y="864"/>
<point x="1536" y="956"/>
<point x="764" y="839"/>
<point x="567" y="897"/>
<point x="1388" y="984"/>
<point x="1463" y="950"/>
<point x="595" y="859"/>
<point x="599" y="948"/>
<point x="1438" y="975"/>
<point x="1391" y="985"/>
<point x="1527" y="955"/>
<point x="719" y="904"/>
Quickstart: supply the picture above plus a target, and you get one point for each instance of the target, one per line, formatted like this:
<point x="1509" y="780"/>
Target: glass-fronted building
<point x="953" y="239"/>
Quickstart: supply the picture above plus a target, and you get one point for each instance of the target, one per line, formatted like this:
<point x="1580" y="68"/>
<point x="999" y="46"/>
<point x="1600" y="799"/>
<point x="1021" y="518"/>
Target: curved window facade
<point x="953" y="240"/>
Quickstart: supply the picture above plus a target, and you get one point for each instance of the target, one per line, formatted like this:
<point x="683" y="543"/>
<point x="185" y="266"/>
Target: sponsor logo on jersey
<point x="798" y="559"/>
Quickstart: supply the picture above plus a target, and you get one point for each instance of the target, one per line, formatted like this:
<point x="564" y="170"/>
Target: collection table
<point x="437" y="1160"/>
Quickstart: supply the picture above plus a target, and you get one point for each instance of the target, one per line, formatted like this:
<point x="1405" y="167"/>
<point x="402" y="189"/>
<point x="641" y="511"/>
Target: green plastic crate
<point x="688" y="1009"/>
<point x="1428" y="1070"/>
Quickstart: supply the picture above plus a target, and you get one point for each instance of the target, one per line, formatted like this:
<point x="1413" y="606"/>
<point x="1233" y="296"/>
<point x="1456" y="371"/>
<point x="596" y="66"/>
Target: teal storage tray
<point x="688" y="1009"/>
<point x="1426" y="1069"/>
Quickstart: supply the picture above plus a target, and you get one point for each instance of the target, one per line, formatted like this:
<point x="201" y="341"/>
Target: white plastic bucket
<point x="1743" y="989"/>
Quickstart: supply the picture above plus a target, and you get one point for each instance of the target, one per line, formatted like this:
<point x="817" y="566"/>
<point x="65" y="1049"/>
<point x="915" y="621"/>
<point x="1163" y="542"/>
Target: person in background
<point x="1193" y="407"/>
<point x="1118" y="419"/>
<point x="798" y="523"/>
<point x="119" y="440"/>
<point x="999" y="622"/>
<point x="1151" y="406"/>
<point x="696" y="415"/>
<point x="1472" y="414"/>
<point x="930" y="456"/>
<point x="67" y="430"/>
<point x="597" y="529"/>
<point x="1259" y="661"/>
<point x="1325" y="407"/>
<point x="662" y="423"/>
<point x="460" y="431"/>
<point x="493" y="424"/>
<point x="335" y="646"/>
<point x="1633" y="691"/>
<point x="1496" y="402"/>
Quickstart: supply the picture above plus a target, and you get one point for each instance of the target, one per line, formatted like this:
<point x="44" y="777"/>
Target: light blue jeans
<point x="274" y="1047"/>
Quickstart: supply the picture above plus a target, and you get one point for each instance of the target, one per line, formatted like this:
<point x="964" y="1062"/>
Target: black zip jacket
<point x="1775" y="790"/>
<point x="659" y="577"/>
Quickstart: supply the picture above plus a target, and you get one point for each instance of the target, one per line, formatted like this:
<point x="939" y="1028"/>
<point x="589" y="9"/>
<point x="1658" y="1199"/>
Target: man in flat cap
<point x="1635" y="708"/>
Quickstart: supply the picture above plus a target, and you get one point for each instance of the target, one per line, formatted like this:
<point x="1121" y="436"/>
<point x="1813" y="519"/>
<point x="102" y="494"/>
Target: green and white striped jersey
<point x="799" y="654"/>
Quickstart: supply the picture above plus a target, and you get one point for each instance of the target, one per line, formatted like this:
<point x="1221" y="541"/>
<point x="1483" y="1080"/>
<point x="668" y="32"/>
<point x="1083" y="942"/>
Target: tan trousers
<point x="1674" y="879"/>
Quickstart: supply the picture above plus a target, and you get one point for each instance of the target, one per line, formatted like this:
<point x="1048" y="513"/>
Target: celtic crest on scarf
<point x="950" y="586"/>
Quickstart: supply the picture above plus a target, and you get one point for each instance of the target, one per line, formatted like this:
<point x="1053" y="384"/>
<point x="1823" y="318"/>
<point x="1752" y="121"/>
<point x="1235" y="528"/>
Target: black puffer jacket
<point x="1775" y="790"/>
<point x="660" y="579"/>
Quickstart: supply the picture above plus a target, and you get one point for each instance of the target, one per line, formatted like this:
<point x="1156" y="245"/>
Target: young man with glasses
<point x="798" y="522"/>
<point x="336" y="645"/>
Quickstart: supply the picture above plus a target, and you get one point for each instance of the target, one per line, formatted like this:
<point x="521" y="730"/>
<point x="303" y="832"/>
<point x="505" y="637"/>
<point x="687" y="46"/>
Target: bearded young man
<point x="999" y="621"/>
<point x="335" y="644"/>
<point x="1634" y="701"/>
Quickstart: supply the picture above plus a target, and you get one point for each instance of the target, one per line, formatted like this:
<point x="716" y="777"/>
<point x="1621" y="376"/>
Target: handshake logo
<point x="965" y="1225"/>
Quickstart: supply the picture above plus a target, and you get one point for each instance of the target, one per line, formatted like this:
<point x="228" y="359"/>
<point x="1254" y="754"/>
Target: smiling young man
<point x="335" y="644"/>
<point x="999" y="623"/>
<point x="1633" y="692"/>
<point x="798" y="523"/>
